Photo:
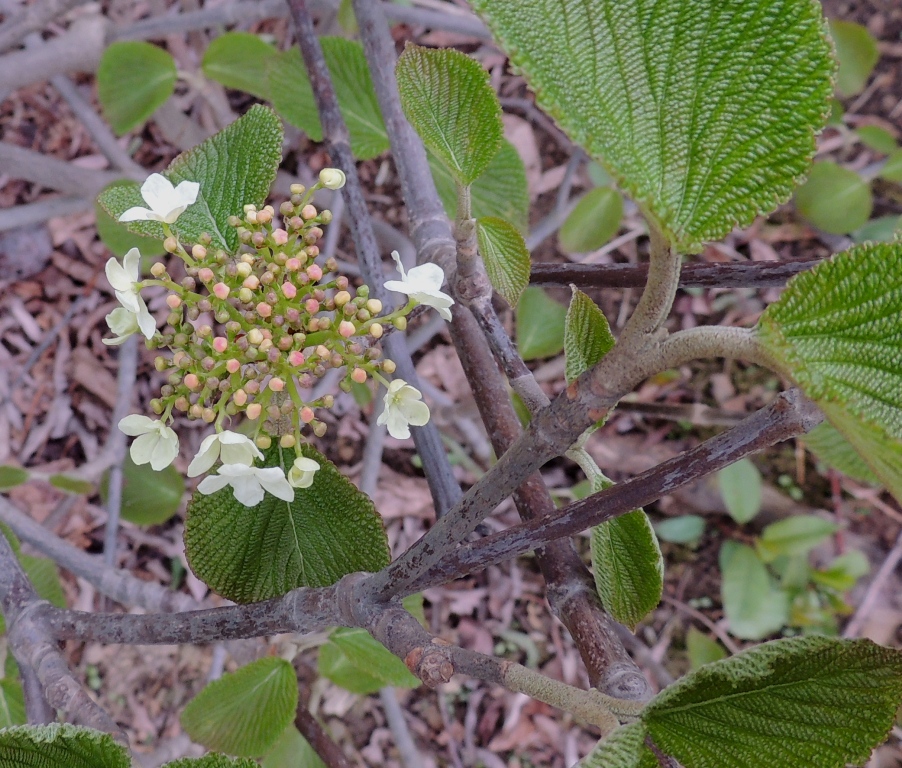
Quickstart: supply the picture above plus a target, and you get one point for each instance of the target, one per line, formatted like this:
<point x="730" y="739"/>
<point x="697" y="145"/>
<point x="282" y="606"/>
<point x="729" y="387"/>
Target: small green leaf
<point x="448" y="100"/>
<point x="60" y="746"/>
<point x="500" y="191"/>
<point x="587" y="335"/>
<point x="71" y="484"/>
<point x="292" y="95"/>
<point x="825" y="442"/>
<point x="811" y="701"/>
<point x="623" y="748"/>
<point x="133" y="79"/>
<point x="239" y="60"/>
<point x="594" y="221"/>
<point x="11" y="476"/>
<point x="753" y="606"/>
<point x="883" y="229"/>
<point x="843" y="572"/>
<point x="148" y="497"/>
<point x="877" y="138"/>
<point x="506" y="258"/>
<point x="12" y="704"/>
<point x="704" y="112"/>
<point x="628" y="566"/>
<point x="702" y="649"/>
<point x="248" y="554"/>
<point x="292" y="750"/>
<point x="857" y="53"/>
<point x="243" y="713"/>
<point x="795" y="535"/>
<point x="892" y="170"/>
<point x="740" y="487"/>
<point x="234" y="167"/>
<point x="413" y="604"/>
<point x="357" y="662"/>
<point x="44" y="575"/>
<point x="835" y="332"/>
<point x="117" y="237"/>
<point x="540" y="325"/>
<point x="213" y="760"/>
<point x="685" y="529"/>
<point x="834" y="198"/>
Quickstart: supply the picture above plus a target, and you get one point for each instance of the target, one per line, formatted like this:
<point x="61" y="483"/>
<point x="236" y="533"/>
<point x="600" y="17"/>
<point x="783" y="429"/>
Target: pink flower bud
<point x="307" y="414"/>
<point x="205" y="274"/>
<point x="323" y="351"/>
<point x="296" y="358"/>
<point x="293" y="264"/>
<point x="255" y="336"/>
<point x="312" y="306"/>
<point x="263" y="309"/>
<point x="173" y="301"/>
<point x="358" y="375"/>
<point x="279" y="236"/>
<point x="233" y="366"/>
<point x="289" y="291"/>
<point x="252" y="282"/>
<point x="191" y="381"/>
<point x="254" y="410"/>
<point x="276" y="384"/>
<point x="221" y="291"/>
<point x="308" y="212"/>
<point x="220" y="344"/>
<point x="346" y="329"/>
<point x="240" y="397"/>
<point x="198" y="251"/>
<point x="314" y="272"/>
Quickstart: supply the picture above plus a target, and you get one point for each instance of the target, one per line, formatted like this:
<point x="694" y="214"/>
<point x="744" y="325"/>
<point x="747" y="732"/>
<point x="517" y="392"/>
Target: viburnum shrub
<point x="705" y="113"/>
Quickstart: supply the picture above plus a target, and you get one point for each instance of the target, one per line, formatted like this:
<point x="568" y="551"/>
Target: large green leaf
<point x="247" y="554"/>
<point x="133" y="79"/>
<point x="705" y="112"/>
<point x="740" y="487"/>
<point x="506" y="258"/>
<point x="825" y="442"/>
<point x="628" y="566"/>
<point x="212" y="761"/>
<point x="540" y="325"/>
<point x="857" y="53"/>
<point x="292" y="750"/>
<point x="754" y="607"/>
<point x="357" y="662"/>
<point x="239" y="60"/>
<point x="812" y="702"/>
<point x="234" y="167"/>
<point x="292" y="95"/>
<point x="60" y="746"/>
<point x="448" y="100"/>
<point x="12" y="704"/>
<point x="587" y="335"/>
<point x="149" y="497"/>
<point x="243" y="713"/>
<point x="594" y="221"/>
<point x="835" y="199"/>
<point x="796" y="535"/>
<point x="836" y="332"/>
<point x="624" y="748"/>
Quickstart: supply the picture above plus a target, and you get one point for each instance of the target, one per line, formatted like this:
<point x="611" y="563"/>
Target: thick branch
<point x="51" y="173"/>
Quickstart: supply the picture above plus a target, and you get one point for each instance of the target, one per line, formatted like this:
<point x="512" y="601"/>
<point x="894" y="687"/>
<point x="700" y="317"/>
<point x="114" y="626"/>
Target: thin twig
<point x="856" y="623"/>
<point x="52" y="173"/>
<point x="32" y="18"/>
<point x="37" y="213"/>
<point x="329" y="752"/>
<point x="410" y="755"/>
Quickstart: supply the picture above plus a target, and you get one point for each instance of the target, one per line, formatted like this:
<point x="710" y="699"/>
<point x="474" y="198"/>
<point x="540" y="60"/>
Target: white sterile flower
<point x="403" y="406"/>
<point x="423" y="284"/>
<point x="302" y="471"/>
<point x="249" y="483"/>
<point x="231" y="447"/>
<point x="332" y="178"/>
<point x="123" y="323"/>
<point x="166" y="202"/>
<point x="155" y="444"/>
<point x="125" y="279"/>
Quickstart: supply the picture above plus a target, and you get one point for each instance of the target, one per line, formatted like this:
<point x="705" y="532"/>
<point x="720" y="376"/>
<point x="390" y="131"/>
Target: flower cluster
<point x="251" y="331"/>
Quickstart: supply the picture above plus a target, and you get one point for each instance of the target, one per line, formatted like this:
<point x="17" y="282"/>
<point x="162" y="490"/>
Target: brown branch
<point x="759" y="274"/>
<point x="439" y="475"/>
<point x="329" y="752"/>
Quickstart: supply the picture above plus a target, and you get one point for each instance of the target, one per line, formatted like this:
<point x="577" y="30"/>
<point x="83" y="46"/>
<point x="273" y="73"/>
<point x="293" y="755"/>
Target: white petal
<point x="212" y="484"/>
<point x="136" y="424"/>
<point x="398" y="286"/>
<point x="146" y="322"/>
<point x="122" y="322"/>
<point x="416" y="412"/>
<point x="186" y="192"/>
<point x="427" y="277"/>
<point x="166" y="449"/>
<point x="397" y="426"/>
<point x="206" y="456"/>
<point x="116" y="340"/>
<point x="132" y="265"/>
<point x="139" y="214"/>
<point x="143" y="447"/>
<point x="118" y="276"/>
<point x="397" y="257"/>
<point x="158" y="193"/>
<point x="273" y="480"/>
<point x="247" y="490"/>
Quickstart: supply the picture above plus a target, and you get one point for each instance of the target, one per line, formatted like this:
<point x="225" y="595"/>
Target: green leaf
<point x="148" y="497"/>
<point x="134" y="78"/>
<point x="448" y="100"/>
<point x="705" y="113"/>
<point x="292" y="95"/>
<point x="623" y="748"/>
<point x="740" y="487"/>
<point x="835" y="199"/>
<point x="843" y="572"/>
<point x="540" y="325"/>
<point x="243" y="713"/>
<point x="249" y="554"/>
<point x="835" y="332"/>
<point x="628" y="566"/>
<point x="877" y="138"/>
<point x="812" y="702"/>
<point x="357" y="662"/>
<point x="12" y="704"/>
<point x="212" y="761"/>
<point x="292" y="750"/>
<point x="594" y="221"/>
<point x="117" y="237"/>
<point x="883" y="229"/>
<point x="45" y="577"/>
<point x="753" y="606"/>
<point x="501" y="191"/>
<point x="71" y="484"/>
<point x="234" y="167"/>
<point x="239" y="60"/>
<point x="506" y="259"/>
<point x="857" y="53"/>
<point x="702" y="649"/>
<point x="11" y="476"/>
<point x="685" y="529"/>
<point x="825" y="442"/>
<point x="60" y="746"/>
<point x="795" y="535"/>
<point x="892" y="170"/>
<point x="587" y="335"/>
